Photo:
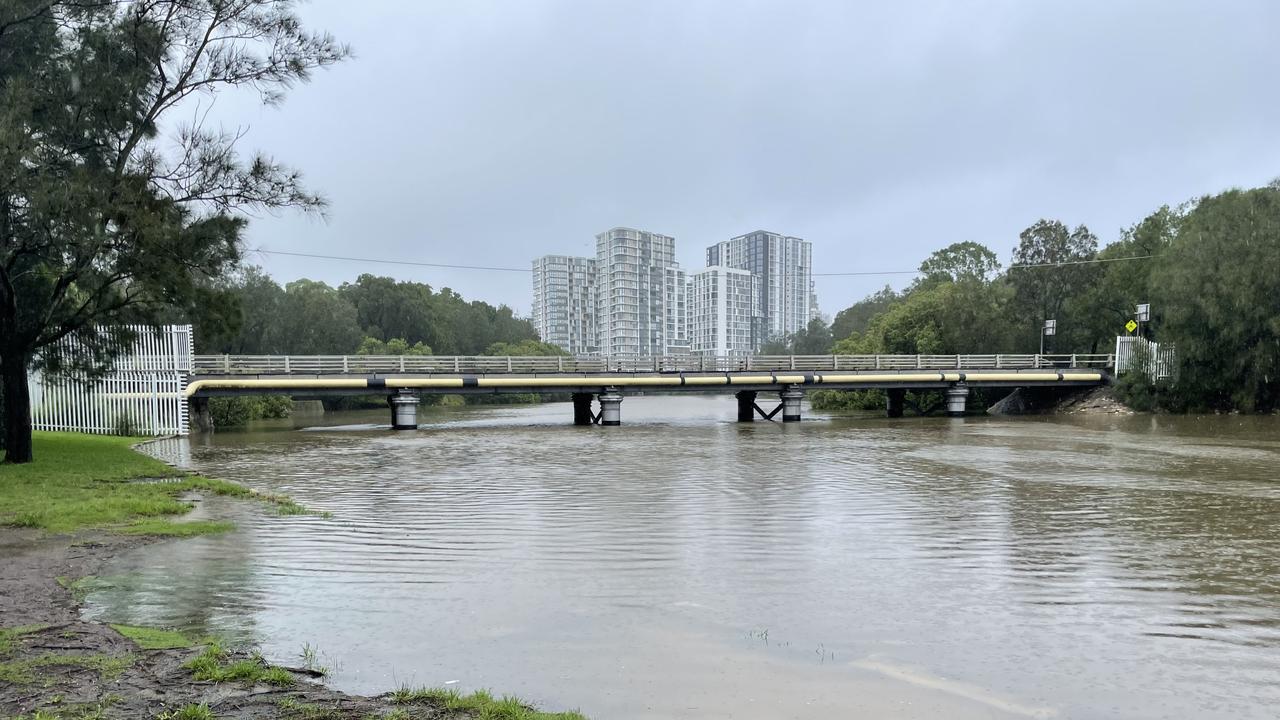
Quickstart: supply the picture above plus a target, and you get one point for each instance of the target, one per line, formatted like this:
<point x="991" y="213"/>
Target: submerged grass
<point x="479" y="704"/>
<point x="88" y="481"/>
<point x="154" y="638"/>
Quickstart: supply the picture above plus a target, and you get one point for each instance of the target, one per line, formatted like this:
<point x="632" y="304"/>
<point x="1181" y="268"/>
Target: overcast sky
<point x="489" y="133"/>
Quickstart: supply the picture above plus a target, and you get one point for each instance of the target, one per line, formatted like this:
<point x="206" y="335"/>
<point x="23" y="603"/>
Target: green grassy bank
<point x="93" y="481"/>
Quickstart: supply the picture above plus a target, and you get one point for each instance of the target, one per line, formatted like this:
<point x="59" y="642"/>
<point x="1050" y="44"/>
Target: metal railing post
<point x="457" y="365"/>
<point x="226" y="364"/>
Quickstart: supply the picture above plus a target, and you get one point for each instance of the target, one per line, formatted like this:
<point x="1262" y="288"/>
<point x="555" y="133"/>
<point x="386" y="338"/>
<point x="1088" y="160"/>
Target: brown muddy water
<point x="687" y="566"/>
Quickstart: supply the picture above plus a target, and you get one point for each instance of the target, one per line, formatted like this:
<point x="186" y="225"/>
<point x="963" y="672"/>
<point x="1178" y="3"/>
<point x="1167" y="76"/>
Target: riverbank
<point x="87" y="499"/>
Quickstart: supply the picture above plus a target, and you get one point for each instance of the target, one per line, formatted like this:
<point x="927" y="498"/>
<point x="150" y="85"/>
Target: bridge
<point x="606" y="380"/>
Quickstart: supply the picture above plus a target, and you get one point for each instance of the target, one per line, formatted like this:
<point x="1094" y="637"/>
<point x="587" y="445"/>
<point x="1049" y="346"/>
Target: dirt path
<point x="69" y="668"/>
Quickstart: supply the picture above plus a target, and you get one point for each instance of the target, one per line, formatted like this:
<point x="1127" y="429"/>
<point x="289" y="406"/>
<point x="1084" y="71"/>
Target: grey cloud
<point x="489" y="133"/>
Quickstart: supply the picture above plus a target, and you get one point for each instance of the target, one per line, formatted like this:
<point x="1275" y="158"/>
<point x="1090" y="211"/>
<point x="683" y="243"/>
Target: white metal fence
<point x="142" y="394"/>
<point x="1135" y="353"/>
<point x="431" y="364"/>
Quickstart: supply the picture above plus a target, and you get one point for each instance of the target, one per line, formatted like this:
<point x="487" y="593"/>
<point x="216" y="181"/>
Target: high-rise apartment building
<point x="723" y="311"/>
<point x="785" y="268"/>
<point x="639" y="294"/>
<point x="564" y="302"/>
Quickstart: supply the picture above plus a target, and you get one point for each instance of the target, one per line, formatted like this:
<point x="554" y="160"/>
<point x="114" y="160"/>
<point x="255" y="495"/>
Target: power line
<point x="394" y="262"/>
<point x="817" y="274"/>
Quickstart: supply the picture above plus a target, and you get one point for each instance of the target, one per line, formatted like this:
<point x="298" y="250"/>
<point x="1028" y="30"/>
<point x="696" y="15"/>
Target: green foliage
<point x="9" y="634"/>
<point x="480" y="704"/>
<point x="315" y="319"/>
<point x="857" y="317"/>
<point x="847" y="400"/>
<point x="524" y="348"/>
<point x="1042" y="293"/>
<point x="372" y="316"/>
<point x="215" y="664"/>
<point x="23" y="672"/>
<point x="153" y="638"/>
<point x="84" y="481"/>
<point x="170" y="528"/>
<point x="960" y="262"/>
<point x="1217" y="287"/>
<point x="1119" y="286"/>
<point x="104" y="220"/>
<point x="814" y="339"/>
<point x="240" y="410"/>
<point x="188" y="712"/>
<point x="394" y="346"/>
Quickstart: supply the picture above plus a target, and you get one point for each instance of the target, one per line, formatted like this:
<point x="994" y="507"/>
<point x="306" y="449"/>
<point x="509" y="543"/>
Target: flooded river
<point x="687" y="566"/>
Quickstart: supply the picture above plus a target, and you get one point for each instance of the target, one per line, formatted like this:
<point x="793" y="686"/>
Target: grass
<point x="8" y="635"/>
<point x="479" y="704"/>
<point x="170" y="528"/>
<point x="188" y="712"/>
<point x="86" y="481"/>
<point x="21" y="672"/>
<point x="154" y="638"/>
<point x="215" y="664"/>
<point x="75" y="711"/>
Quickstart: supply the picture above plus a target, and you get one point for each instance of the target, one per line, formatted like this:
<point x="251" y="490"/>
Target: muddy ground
<point x="73" y="669"/>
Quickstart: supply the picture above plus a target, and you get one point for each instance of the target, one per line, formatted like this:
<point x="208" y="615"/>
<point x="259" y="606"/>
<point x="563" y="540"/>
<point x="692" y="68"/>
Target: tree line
<point x="373" y="315"/>
<point x="1210" y="269"/>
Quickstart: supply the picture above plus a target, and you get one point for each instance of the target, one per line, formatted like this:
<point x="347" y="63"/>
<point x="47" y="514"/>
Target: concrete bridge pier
<point x="404" y="411"/>
<point x="957" y="398"/>
<point x="895" y="399"/>
<point x="610" y="407"/>
<point x="746" y="406"/>
<point x="582" y="409"/>
<point x="201" y="416"/>
<point x="791" y="397"/>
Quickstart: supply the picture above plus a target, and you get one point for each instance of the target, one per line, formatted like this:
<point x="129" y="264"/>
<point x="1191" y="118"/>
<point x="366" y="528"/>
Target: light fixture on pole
<point x="1050" y="328"/>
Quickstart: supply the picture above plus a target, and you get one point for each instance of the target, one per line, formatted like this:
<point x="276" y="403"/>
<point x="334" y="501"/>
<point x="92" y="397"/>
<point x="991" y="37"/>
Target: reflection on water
<point x="685" y="565"/>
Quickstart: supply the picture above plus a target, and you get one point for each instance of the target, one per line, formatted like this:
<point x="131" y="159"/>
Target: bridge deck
<point x="206" y="386"/>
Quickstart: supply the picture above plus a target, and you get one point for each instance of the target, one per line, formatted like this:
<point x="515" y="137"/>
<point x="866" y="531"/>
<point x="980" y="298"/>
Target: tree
<point x="524" y="348"/>
<point x="394" y="346"/>
<point x="104" y="219"/>
<point x="1049" y="279"/>
<point x="315" y="320"/>
<point x="960" y="261"/>
<point x="858" y="316"/>
<point x="389" y="309"/>
<point x="814" y="339"/>
<point x="1218" y="289"/>
<point x="1111" y="299"/>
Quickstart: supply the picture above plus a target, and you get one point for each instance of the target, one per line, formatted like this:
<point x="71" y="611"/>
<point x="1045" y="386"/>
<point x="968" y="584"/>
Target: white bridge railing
<point x="443" y="364"/>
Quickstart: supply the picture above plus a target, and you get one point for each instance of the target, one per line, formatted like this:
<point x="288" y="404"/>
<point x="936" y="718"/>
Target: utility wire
<point x="393" y="262"/>
<point x="817" y="274"/>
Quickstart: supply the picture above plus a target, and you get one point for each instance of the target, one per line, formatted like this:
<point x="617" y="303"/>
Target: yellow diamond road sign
<point x="1131" y="326"/>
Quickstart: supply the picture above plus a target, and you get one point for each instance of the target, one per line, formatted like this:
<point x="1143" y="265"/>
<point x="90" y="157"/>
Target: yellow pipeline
<point x="283" y="384"/>
<point x="424" y="382"/>
<point x="497" y="382"/>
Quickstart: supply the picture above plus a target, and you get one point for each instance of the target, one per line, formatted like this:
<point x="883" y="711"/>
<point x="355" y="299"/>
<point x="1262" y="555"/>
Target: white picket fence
<point x="1133" y="351"/>
<point x="143" y="393"/>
